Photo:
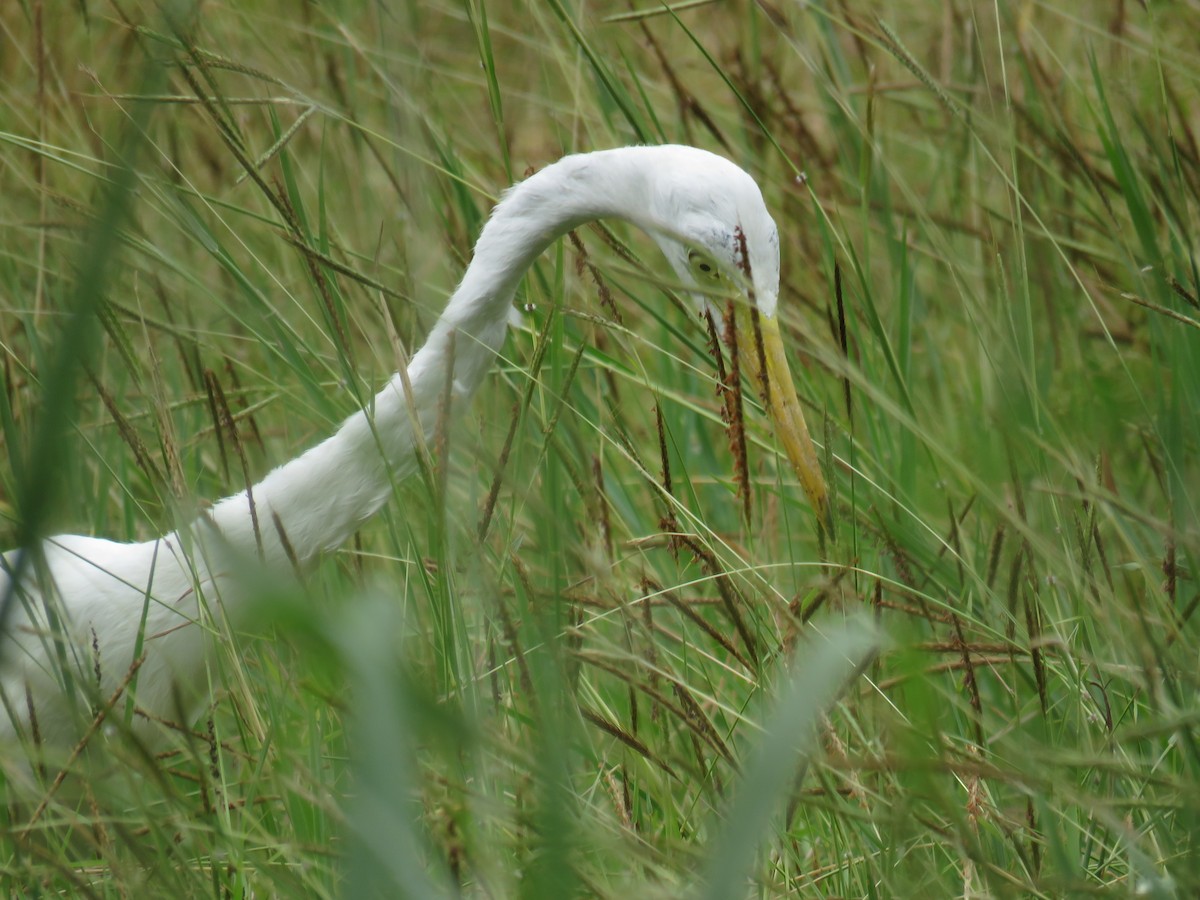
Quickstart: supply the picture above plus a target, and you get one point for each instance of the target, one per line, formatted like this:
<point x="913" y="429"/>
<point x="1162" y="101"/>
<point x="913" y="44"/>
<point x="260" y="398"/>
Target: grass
<point x="213" y="245"/>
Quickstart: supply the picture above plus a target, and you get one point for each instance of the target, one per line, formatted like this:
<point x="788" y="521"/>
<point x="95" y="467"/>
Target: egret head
<point x="715" y="230"/>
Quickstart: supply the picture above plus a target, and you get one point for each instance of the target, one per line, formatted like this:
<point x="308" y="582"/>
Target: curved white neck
<point x="320" y="498"/>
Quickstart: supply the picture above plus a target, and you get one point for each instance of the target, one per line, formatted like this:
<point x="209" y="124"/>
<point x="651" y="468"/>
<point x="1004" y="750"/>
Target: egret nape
<point x="86" y="607"/>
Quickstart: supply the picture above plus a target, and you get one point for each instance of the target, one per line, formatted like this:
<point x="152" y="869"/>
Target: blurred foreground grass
<point x="988" y="217"/>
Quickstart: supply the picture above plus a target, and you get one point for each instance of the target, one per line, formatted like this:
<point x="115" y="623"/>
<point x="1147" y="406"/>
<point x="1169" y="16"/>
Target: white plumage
<point x="109" y="598"/>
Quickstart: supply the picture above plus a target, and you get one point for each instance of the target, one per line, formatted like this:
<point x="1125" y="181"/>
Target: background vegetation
<point x="988" y="216"/>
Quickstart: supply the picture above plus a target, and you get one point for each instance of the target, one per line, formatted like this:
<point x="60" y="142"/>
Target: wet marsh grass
<point x="629" y="685"/>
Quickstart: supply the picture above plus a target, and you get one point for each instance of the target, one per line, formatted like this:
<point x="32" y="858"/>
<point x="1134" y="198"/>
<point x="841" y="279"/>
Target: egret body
<point x="84" y="608"/>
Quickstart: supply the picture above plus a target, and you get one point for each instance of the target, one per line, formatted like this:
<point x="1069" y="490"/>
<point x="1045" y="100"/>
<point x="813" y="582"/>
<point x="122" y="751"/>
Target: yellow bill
<point x="761" y="347"/>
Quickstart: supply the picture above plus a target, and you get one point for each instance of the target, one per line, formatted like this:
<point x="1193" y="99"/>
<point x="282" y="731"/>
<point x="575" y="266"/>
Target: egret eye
<point x="703" y="267"/>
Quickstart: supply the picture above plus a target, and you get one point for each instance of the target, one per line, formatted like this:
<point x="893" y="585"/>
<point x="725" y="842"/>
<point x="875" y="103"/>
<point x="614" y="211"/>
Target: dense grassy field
<point x="568" y="665"/>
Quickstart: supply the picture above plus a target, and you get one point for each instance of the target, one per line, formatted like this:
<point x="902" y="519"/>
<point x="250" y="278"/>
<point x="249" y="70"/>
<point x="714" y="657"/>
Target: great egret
<point x="85" y="610"/>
